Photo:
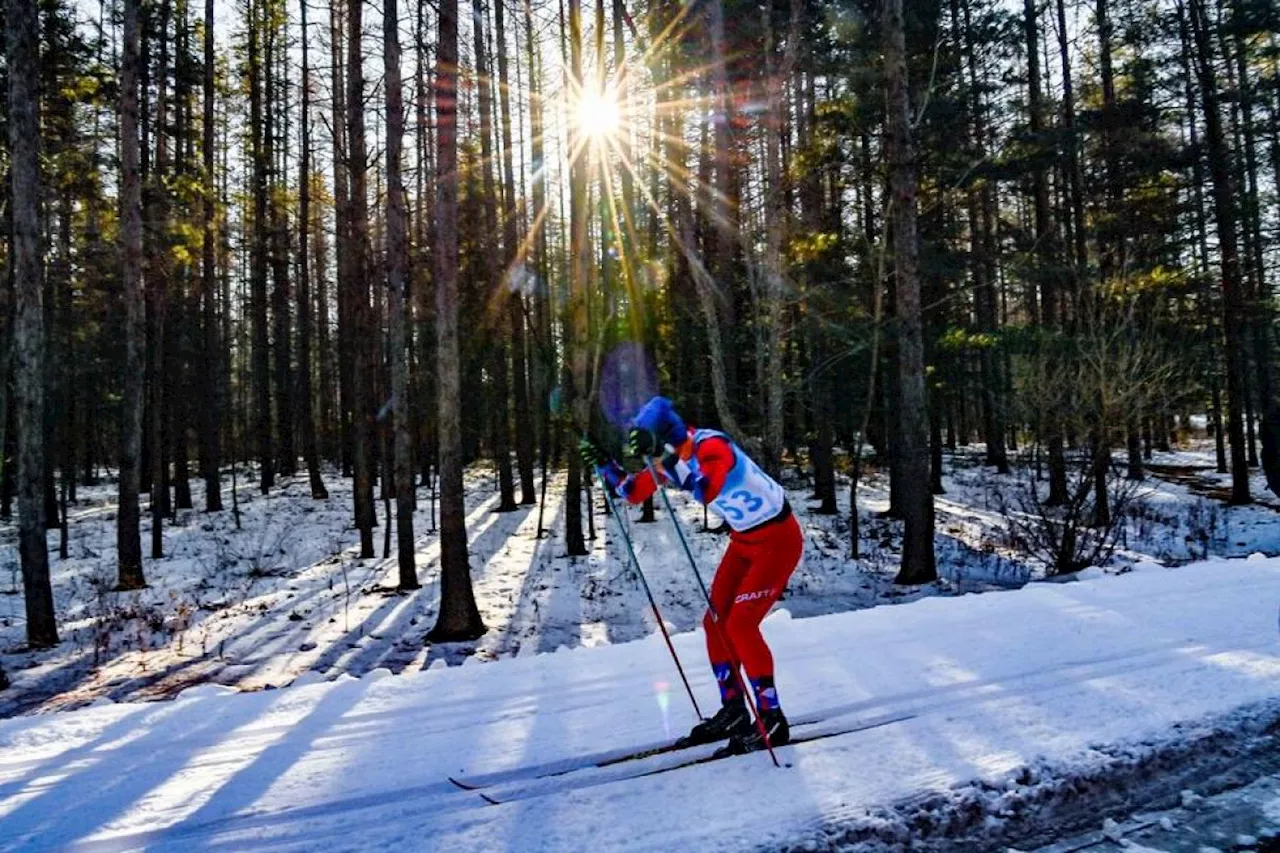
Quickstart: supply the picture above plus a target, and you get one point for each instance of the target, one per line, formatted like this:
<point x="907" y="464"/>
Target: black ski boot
<point x="731" y="720"/>
<point x="749" y="739"/>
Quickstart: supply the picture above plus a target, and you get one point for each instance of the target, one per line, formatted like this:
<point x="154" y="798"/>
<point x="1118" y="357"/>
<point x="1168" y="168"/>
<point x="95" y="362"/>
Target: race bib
<point x="750" y="497"/>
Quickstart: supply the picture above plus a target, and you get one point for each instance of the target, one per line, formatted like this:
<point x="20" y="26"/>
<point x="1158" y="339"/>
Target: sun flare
<point x="598" y="114"/>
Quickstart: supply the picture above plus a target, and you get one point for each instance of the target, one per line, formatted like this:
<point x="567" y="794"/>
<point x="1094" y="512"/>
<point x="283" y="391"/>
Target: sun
<point x="598" y="115"/>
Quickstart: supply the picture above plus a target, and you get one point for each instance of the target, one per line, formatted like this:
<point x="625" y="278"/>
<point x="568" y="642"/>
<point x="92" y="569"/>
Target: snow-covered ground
<point x="999" y="715"/>
<point x="285" y="596"/>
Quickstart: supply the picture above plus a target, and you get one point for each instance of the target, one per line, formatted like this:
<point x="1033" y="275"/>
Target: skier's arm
<point x="714" y="457"/>
<point x="634" y="488"/>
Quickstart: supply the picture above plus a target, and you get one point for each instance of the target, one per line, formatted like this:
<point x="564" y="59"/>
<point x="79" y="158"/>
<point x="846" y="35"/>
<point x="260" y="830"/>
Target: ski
<point x="804" y="737"/>
<point x="604" y="758"/>
<point x="594" y="774"/>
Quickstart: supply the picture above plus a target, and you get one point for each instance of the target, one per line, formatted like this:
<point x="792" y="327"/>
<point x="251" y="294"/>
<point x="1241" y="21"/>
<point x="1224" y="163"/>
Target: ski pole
<point x="657" y="614"/>
<point x="715" y="618"/>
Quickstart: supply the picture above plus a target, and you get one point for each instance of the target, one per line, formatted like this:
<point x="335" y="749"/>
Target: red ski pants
<point x="751" y="577"/>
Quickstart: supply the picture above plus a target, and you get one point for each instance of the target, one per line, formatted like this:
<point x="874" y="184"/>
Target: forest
<point x="253" y="242"/>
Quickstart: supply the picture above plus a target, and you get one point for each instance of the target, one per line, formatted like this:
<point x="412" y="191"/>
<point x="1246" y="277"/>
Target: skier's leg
<point x="732" y="719"/>
<point x="773" y="557"/>
<point x="724" y="588"/>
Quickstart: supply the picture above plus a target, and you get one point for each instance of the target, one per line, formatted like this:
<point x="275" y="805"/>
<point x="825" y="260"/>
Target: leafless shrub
<point x="1088" y="383"/>
<point x="1070" y="536"/>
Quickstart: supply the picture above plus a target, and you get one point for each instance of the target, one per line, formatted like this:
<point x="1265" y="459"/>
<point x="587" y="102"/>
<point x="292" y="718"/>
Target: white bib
<point x="749" y="497"/>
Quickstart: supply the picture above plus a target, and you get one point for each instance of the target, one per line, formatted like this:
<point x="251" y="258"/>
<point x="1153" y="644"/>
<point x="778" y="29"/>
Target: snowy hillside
<point x="984" y="719"/>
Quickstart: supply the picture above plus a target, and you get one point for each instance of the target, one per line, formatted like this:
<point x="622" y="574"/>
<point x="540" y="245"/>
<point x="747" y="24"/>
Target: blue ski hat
<point x="659" y="417"/>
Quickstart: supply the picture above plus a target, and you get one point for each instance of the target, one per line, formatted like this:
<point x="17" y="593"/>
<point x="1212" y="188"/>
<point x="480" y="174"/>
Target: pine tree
<point x="359" y="312"/>
<point x="306" y="309"/>
<point x="918" y="564"/>
<point x="397" y="276"/>
<point x="128" y="537"/>
<point x="22" y="54"/>
<point x="211" y="356"/>
<point x="459" y="617"/>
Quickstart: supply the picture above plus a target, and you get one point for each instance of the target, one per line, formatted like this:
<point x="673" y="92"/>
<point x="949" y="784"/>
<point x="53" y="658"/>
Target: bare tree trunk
<point x="980" y="240"/>
<point x="499" y="416"/>
<point x="159" y="269"/>
<point x="459" y="617"/>
<point x="397" y="275"/>
<point x="342" y="238"/>
<point x="577" y="332"/>
<point x="1074" y="179"/>
<point x="275" y="147"/>
<point x="918" y="565"/>
<point x="359" y="311"/>
<point x="723" y="214"/>
<point x="128" y="538"/>
<point x="777" y="212"/>
<point x="23" y="57"/>
<point x="258" y="256"/>
<point x="1225" y="213"/>
<point x="1045" y="241"/>
<point x="211" y="359"/>
<point x="516" y="254"/>
<point x="306" y="409"/>
<point x="180" y="383"/>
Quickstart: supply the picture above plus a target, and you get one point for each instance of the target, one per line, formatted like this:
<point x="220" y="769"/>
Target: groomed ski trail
<point x="971" y="688"/>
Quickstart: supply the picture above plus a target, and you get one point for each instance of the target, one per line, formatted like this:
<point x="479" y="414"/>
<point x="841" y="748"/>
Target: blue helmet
<point x="658" y="416"/>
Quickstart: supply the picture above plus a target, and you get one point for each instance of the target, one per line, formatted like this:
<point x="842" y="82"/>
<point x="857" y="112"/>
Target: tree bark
<point x="918" y="564"/>
<point x="128" y="538"/>
<point x="258" y="256"/>
<point x="22" y="52"/>
<point x="359" y="311"/>
<point x="577" y="332"/>
<point x="1225" y="212"/>
<point x="306" y="404"/>
<point x="1044" y="235"/>
<point x="516" y="254"/>
<point x="492" y="273"/>
<point x="980" y="206"/>
<point x="1259" y="298"/>
<point x="459" y="617"/>
<point x="1075" y="180"/>
<point x="159" y="269"/>
<point x="397" y="275"/>
<point x="777" y="212"/>
<point x="723" y="216"/>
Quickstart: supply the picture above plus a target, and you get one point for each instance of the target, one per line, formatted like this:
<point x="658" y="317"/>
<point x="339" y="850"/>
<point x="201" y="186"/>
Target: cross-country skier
<point x="764" y="549"/>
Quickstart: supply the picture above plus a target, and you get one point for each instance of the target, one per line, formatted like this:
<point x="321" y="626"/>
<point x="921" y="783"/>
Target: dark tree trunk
<point x="260" y="345"/>
<point x="516" y="255"/>
<point x="306" y="404"/>
<point x="128" y="538"/>
<point x="359" y="311"/>
<point x="1225" y="213"/>
<point x="211" y="360"/>
<point x="459" y="617"/>
<point x="22" y="52"/>
<point x="275" y="144"/>
<point x="980" y="206"/>
<point x="492" y="273"/>
<point x="159" y="271"/>
<point x="577" y="333"/>
<point x="397" y="276"/>
<point x="342" y="239"/>
<point x="918" y="565"/>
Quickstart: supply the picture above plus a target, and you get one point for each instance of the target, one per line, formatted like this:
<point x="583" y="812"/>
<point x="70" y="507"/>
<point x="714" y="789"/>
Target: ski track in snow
<point x="1003" y="692"/>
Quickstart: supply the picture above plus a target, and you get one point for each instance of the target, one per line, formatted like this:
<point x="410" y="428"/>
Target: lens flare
<point x="598" y="114"/>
